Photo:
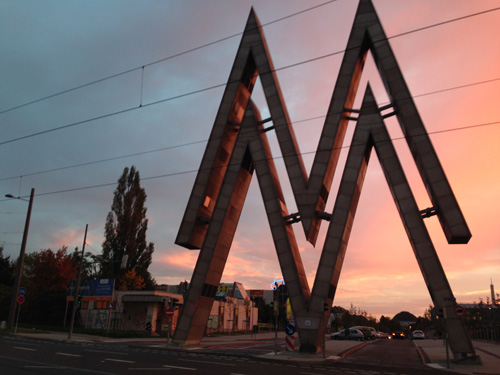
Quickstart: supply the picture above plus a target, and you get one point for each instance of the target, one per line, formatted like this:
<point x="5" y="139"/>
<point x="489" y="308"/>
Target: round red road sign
<point x="459" y="311"/>
<point x="20" y="299"/>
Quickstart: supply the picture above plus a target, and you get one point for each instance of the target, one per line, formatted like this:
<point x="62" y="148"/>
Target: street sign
<point x="20" y="299"/>
<point x="289" y="329"/>
<point x="459" y="311"/>
<point x="22" y="291"/>
<point x="169" y="312"/>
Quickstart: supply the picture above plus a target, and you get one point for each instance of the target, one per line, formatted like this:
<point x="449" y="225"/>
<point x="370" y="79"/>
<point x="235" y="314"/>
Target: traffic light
<point x="325" y="306"/>
<point x="175" y="303"/>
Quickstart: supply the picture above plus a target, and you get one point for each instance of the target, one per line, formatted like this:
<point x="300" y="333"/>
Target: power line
<point x="160" y="60"/>
<point x="105" y="160"/>
<point x="221" y="85"/>
<point x="447" y="22"/>
<point x="69" y="125"/>
<point x="273" y="158"/>
<point x="206" y="140"/>
<point x="230" y="37"/>
<point x="457" y="87"/>
<point x="225" y="84"/>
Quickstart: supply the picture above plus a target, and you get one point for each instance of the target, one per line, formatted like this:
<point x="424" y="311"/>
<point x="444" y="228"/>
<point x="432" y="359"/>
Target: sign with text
<point x="93" y="290"/>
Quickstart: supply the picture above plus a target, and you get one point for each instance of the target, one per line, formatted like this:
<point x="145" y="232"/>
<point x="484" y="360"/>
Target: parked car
<point x="418" y="335"/>
<point x="398" y="335"/>
<point x="382" y="335"/>
<point x="348" y="334"/>
<point x="370" y="332"/>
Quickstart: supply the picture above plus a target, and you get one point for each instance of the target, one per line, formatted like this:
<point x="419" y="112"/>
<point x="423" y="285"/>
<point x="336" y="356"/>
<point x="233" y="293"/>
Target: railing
<point x="485" y="333"/>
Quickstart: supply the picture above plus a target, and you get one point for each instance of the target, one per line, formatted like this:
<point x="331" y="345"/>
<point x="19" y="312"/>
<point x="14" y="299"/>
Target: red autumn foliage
<point x="51" y="272"/>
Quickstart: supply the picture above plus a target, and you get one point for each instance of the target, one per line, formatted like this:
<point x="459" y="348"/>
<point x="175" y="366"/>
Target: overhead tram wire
<point x="160" y="60"/>
<point x="223" y="84"/>
<point x="206" y="140"/>
<point x="220" y="85"/>
<point x="105" y="160"/>
<point x="230" y="37"/>
<point x="273" y="158"/>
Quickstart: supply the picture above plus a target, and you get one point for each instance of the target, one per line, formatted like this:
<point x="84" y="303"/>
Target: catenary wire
<point x="273" y="158"/>
<point x="226" y="38"/>
<point x="227" y="83"/>
<point x="160" y="60"/>
<point x="206" y="140"/>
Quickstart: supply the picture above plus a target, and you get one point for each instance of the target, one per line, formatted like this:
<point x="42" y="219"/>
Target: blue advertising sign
<point x="97" y="290"/>
<point x="92" y="290"/>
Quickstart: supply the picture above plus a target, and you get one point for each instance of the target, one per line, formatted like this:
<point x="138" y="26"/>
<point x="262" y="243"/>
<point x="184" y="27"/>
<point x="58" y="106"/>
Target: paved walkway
<point x="433" y="352"/>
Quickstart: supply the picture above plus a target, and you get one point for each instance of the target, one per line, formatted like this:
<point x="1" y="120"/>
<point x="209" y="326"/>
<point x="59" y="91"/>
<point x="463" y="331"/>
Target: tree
<point x="388" y="325"/>
<point x="6" y="270"/>
<point x="125" y="232"/>
<point x="131" y="281"/>
<point x="48" y="271"/>
<point x="90" y="264"/>
<point x="7" y="274"/>
<point x="46" y="276"/>
<point x="266" y="312"/>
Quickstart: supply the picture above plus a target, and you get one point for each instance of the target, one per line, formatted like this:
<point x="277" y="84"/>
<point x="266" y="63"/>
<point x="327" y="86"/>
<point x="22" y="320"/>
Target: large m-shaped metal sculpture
<point x="238" y="145"/>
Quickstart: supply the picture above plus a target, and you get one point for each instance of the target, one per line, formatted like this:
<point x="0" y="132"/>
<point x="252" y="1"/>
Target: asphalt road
<point x="23" y="356"/>
<point x="388" y="355"/>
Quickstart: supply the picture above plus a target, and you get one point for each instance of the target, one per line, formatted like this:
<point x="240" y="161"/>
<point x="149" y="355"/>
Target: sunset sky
<point x="89" y="88"/>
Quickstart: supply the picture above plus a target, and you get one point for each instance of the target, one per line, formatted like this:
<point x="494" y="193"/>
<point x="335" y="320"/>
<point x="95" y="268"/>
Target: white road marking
<point x="69" y="354"/>
<point x="21" y="348"/>
<point x="118" y="360"/>
<point x="181" y="368"/>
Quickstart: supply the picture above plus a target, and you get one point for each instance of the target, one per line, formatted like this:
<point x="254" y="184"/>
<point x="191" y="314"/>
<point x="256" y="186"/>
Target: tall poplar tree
<point x="125" y="247"/>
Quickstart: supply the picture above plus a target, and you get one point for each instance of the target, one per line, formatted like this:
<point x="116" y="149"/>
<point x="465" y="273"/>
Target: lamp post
<point x="20" y="262"/>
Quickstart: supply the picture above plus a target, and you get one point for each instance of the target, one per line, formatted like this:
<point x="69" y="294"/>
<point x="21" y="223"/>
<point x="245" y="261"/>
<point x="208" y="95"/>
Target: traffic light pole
<point x="77" y="289"/>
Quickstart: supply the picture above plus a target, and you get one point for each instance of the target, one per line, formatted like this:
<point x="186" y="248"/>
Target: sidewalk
<point x="432" y="352"/>
<point x="434" y="355"/>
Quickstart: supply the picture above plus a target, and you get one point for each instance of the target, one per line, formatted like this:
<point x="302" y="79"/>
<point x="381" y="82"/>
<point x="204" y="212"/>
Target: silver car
<point x="348" y="334"/>
<point x="417" y="335"/>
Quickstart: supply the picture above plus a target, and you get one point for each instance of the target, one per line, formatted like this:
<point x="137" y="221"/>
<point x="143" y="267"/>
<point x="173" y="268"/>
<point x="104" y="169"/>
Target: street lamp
<point x="17" y="282"/>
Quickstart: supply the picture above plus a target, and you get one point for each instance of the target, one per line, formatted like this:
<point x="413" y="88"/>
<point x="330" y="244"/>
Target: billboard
<point x="93" y="290"/>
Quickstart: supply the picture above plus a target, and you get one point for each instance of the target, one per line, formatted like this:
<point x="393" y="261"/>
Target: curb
<point x="349" y="351"/>
<point x="423" y="355"/>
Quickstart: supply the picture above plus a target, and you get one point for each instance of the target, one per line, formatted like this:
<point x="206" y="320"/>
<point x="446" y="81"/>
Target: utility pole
<point x="77" y="289"/>
<point x="20" y="262"/>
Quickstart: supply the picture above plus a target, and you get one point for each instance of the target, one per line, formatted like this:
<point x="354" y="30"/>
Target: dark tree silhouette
<point x="7" y="275"/>
<point x="125" y="246"/>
